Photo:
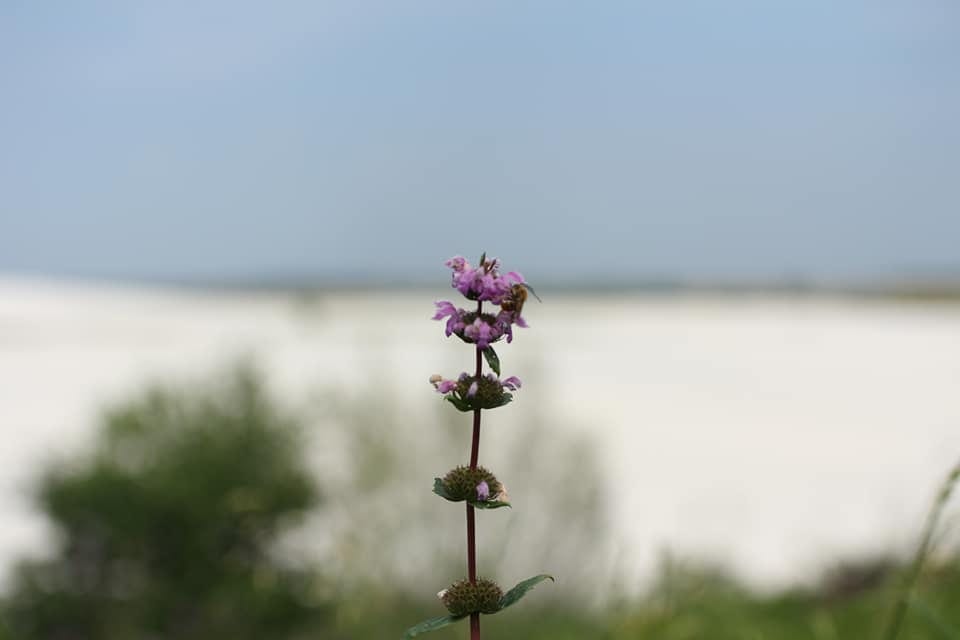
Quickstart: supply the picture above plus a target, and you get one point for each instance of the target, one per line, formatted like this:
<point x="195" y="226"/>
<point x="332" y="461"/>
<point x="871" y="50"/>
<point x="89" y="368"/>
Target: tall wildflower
<point x="474" y="393"/>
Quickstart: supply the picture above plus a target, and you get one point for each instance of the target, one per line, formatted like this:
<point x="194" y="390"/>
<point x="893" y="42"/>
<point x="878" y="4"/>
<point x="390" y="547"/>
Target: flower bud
<point x="483" y="490"/>
<point x="464" y="597"/>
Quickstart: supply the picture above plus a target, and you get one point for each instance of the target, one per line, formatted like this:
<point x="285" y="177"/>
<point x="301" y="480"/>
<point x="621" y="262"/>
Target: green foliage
<point x="431" y="625"/>
<point x="167" y="529"/>
<point x="904" y="597"/>
<point x="460" y="403"/>
<point x="492" y="359"/>
<point x="521" y="589"/>
<point x="694" y="602"/>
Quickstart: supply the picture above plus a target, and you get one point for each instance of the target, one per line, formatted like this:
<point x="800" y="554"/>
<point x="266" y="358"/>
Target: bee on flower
<point x="484" y="284"/>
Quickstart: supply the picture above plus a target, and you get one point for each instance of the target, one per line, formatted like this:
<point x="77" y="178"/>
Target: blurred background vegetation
<point x="738" y="215"/>
<point x="213" y="511"/>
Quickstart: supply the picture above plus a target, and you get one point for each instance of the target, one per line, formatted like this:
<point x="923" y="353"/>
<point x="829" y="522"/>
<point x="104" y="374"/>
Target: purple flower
<point x="444" y="308"/>
<point x="474" y="283"/>
<point x="454" y="316"/>
<point x="483" y="282"/>
<point x="457" y="263"/>
<point x="513" y="277"/>
<point x="442" y="386"/>
<point x="481" y="333"/>
<point x="447" y="386"/>
<point x="483" y="329"/>
<point x="483" y="490"/>
<point x="512" y="383"/>
<point x="472" y="391"/>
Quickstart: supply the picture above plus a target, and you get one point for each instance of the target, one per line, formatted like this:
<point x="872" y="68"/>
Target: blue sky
<point x="615" y="139"/>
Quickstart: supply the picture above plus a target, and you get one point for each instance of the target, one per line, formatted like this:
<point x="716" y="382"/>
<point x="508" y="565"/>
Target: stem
<point x="472" y="568"/>
<point x="475" y="445"/>
<point x="471" y="545"/>
<point x="923" y="549"/>
<point x="471" y="525"/>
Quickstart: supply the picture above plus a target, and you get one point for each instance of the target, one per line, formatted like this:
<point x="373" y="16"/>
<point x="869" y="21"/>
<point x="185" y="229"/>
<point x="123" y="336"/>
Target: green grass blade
<point x="936" y="621"/>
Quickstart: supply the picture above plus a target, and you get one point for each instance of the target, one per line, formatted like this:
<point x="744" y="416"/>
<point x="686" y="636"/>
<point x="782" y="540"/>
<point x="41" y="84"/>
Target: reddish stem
<point x="471" y="545"/>
<point x="472" y="568"/>
<point x="475" y="445"/>
<point x="471" y="525"/>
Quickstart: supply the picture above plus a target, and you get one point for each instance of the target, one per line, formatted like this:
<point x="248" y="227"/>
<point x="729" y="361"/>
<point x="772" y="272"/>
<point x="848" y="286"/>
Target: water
<point x="773" y="433"/>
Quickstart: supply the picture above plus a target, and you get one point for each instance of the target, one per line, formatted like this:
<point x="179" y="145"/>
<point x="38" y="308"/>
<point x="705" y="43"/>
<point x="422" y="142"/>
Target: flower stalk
<point x="473" y="484"/>
<point x="471" y="516"/>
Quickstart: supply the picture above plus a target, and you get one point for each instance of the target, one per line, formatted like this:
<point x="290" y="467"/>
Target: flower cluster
<point x="465" y="597"/>
<point x="477" y="484"/>
<point x="482" y="329"/>
<point x="468" y="392"/>
<point x="483" y="283"/>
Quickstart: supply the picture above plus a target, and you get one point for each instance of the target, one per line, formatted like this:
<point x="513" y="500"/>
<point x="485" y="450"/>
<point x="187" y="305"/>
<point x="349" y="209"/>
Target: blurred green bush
<point x="166" y="529"/>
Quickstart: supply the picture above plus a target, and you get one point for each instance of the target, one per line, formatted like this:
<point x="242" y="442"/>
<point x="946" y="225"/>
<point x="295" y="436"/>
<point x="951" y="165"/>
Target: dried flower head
<point x="463" y="483"/>
<point x="502" y="495"/>
<point x="464" y="597"/>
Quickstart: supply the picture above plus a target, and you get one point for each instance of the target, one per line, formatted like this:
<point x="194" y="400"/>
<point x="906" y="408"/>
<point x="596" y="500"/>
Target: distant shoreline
<point x="935" y="289"/>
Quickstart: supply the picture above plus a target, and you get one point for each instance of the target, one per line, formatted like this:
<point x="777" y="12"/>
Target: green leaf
<point x="492" y="359"/>
<point x="441" y="490"/>
<point x="489" y="504"/>
<point x="430" y="625"/>
<point x="505" y="398"/>
<point x="459" y="403"/>
<point x="511" y="597"/>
